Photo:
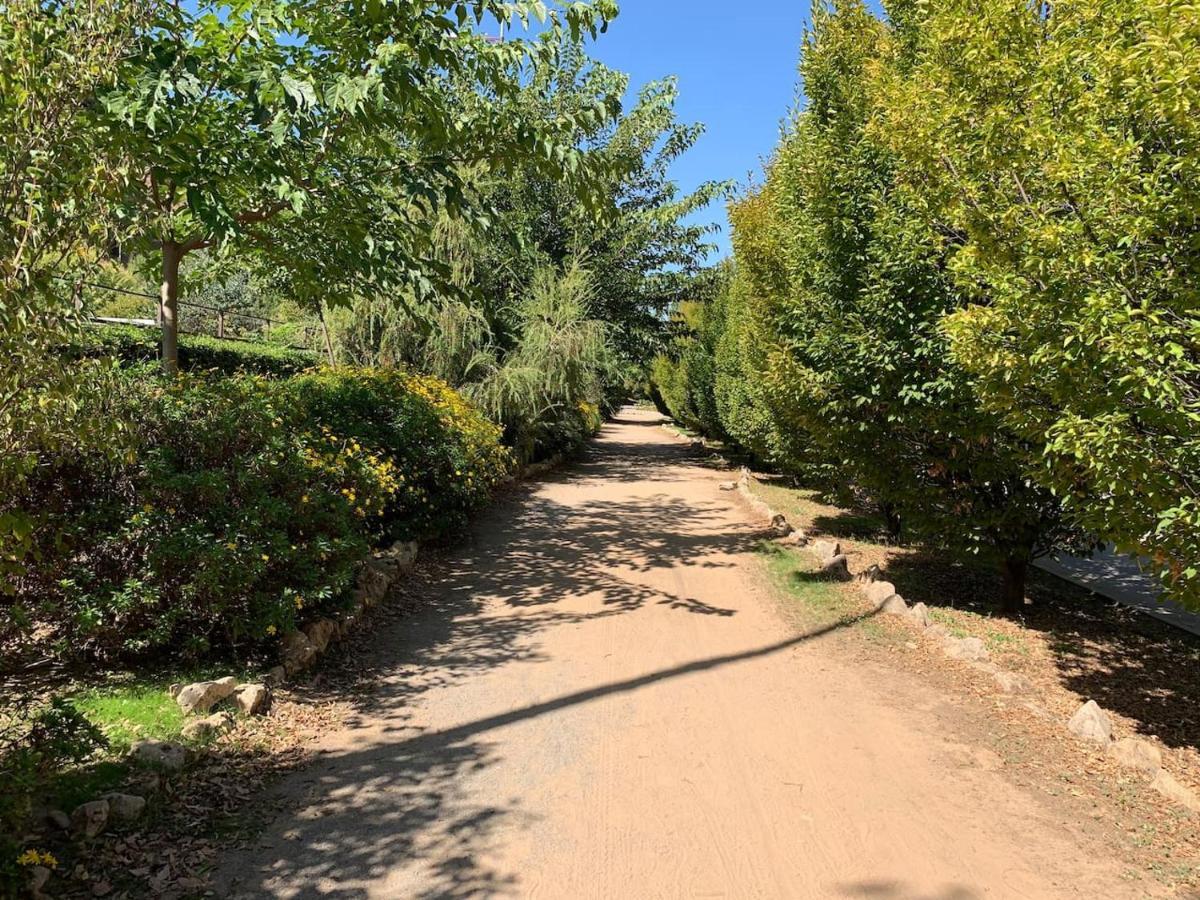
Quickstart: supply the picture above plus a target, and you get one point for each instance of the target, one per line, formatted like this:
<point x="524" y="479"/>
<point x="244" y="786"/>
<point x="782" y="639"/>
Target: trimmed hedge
<point x="197" y="352"/>
<point x="238" y="506"/>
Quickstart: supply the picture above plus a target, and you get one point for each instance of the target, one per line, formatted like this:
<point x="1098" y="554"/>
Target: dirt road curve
<point x="603" y="702"/>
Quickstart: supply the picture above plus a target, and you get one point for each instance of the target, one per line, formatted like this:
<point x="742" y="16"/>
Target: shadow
<point x="403" y="802"/>
<point x="898" y="890"/>
<point x="1126" y="661"/>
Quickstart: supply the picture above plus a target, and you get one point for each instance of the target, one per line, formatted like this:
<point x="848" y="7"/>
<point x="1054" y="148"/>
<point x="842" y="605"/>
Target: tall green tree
<point x="57" y="181"/>
<point x="327" y="132"/>
<point x="861" y="366"/>
<point x="1056" y="148"/>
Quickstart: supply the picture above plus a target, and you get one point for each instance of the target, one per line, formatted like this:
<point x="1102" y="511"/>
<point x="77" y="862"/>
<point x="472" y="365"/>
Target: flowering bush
<point x="445" y="456"/>
<point x="240" y="505"/>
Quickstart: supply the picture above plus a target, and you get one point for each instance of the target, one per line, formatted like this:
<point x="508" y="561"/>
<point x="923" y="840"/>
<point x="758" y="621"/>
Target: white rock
<point x="894" y="606"/>
<point x="919" y="613"/>
<point x="1091" y="723"/>
<point x="161" y="754"/>
<point x="970" y="649"/>
<point x="252" y="699"/>
<point x="124" y="807"/>
<point x="202" y="696"/>
<point x="825" y="550"/>
<point x="879" y="591"/>
<point x="89" y="819"/>
<point x="1133" y="753"/>
<point x="728" y="485"/>
<point x="1166" y="785"/>
<point x="836" y="567"/>
<point x="207" y="728"/>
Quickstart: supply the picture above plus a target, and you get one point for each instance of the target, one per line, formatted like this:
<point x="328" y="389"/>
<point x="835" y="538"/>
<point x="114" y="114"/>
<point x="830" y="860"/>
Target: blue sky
<point x="736" y="64"/>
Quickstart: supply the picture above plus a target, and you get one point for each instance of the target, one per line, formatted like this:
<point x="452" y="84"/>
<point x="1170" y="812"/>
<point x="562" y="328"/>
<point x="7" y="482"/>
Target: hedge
<point x="197" y="352"/>
<point x="238" y="506"/>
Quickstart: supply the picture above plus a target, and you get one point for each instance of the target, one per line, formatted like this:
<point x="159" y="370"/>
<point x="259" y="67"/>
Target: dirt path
<point x="601" y="701"/>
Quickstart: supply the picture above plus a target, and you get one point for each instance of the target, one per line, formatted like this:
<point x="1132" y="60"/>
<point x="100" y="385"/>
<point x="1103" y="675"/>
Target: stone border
<point x="1089" y="722"/>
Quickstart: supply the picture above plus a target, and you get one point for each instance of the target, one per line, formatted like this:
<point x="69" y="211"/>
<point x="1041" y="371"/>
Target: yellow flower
<point x="231" y="545"/>
<point x="266" y="558"/>
<point x="271" y="629"/>
<point x="304" y="499"/>
<point x="32" y="857"/>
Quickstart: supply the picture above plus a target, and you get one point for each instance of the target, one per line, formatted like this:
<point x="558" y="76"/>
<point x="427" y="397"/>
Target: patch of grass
<point x="817" y="600"/>
<point x="131" y="712"/>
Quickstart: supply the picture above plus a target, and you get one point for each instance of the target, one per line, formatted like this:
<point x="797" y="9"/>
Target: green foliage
<point x="1054" y="154"/>
<point x="37" y="739"/>
<point x="57" y="183"/>
<point x="441" y="452"/>
<point x="131" y="345"/>
<point x="240" y="506"/>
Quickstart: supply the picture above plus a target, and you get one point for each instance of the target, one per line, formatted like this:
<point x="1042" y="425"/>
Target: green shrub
<point x="445" y="455"/>
<point x="217" y="526"/>
<point x="197" y="352"/>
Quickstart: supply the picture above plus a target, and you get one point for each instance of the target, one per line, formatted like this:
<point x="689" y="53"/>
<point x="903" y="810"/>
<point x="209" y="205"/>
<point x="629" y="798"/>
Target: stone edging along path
<point x="299" y="650"/>
<point x="1089" y="722"/>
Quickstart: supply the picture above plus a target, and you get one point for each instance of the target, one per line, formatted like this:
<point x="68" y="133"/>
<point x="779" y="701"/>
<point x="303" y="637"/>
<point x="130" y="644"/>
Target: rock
<point x="252" y="699"/>
<point x="404" y="554"/>
<point x="174" y="690"/>
<point x="1091" y="723"/>
<point x="969" y="649"/>
<point x="919" y="613"/>
<point x="372" y="587"/>
<point x="320" y="633"/>
<point x="124" y="807"/>
<point x="837" y="568"/>
<point x="1133" y="753"/>
<point x="36" y="880"/>
<point x="798" y="537"/>
<point x="204" y="695"/>
<point x="869" y="574"/>
<point x="826" y="550"/>
<point x="298" y="652"/>
<point x="894" y="606"/>
<point x="879" y="592"/>
<point x="58" y="819"/>
<point x="146" y="785"/>
<point x="936" y="631"/>
<point x="276" y="676"/>
<point x="208" y="728"/>
<point x="89" y="819"/>
<point x="165" y="755"/>
<point x="780" y="526"/>
<point x="1166" y="785"/>
<point x="1012" y="682"/>
<point x="728" y="486"/>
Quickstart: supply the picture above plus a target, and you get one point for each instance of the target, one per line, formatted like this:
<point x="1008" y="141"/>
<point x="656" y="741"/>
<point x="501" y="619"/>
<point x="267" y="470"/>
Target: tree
<point x="1055" y="148"/>
<point x="324" y="134"/>
<point x="56" y="181"/>
<point x="859" y="364"/>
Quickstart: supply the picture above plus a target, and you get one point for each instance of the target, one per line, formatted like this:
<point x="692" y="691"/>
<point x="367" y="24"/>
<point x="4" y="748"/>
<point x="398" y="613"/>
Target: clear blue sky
<point x="736" y="64"/>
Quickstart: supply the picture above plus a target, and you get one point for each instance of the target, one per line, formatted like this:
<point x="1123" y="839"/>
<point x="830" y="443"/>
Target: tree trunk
<point x="168" y="306"/>
<point x="1015" y="569"/>
<point x="325" y="333"/>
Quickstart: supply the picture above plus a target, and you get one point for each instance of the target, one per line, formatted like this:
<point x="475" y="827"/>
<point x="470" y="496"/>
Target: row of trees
<point x="438" y="198"/>
<point x="968" y="284"/>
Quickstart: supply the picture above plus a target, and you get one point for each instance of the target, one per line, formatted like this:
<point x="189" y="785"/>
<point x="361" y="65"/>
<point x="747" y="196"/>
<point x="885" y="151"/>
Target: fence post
<point x="220" y="323"/>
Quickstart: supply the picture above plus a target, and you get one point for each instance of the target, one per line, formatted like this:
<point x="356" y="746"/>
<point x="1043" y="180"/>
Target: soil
<point x="598" y="696"/>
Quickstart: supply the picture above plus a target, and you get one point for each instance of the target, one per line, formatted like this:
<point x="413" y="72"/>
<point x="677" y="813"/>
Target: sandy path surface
<point x="601" y="701"/>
